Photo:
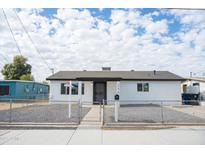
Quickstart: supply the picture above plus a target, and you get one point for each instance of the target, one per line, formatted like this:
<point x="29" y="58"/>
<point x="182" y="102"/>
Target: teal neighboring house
<point x="18" y="89"/>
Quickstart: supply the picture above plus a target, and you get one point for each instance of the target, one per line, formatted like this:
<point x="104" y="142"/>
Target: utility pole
<point x="52" y="70"/>
<point x="190" y="74"/>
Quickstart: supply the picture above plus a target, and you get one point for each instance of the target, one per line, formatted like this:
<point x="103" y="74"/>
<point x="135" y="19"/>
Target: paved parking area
<point x="180" y="135"/>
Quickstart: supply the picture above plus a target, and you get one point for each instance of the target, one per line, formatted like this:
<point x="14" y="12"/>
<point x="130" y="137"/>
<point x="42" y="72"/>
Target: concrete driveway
<point x="180" y="135"/>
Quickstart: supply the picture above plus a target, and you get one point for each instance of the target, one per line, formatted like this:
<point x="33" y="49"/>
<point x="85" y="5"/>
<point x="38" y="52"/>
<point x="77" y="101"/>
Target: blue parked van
<point x="19" y="89"/>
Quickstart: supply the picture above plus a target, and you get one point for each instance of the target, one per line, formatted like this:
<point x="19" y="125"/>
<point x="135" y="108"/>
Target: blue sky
<point x="125" y="39"/>
<point x="106" y="13"/>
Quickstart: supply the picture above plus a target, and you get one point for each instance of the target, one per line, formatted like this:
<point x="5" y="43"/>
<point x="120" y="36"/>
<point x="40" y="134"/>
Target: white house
<point x="132" y="86"/>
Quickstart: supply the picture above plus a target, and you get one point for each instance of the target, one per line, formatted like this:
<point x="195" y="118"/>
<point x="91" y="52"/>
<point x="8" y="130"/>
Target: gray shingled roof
<point x="115" y="75"/>
<point x="202" y="79"/>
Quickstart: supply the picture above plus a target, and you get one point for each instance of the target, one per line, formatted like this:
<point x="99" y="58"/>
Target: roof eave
<point x="113" y="79"/>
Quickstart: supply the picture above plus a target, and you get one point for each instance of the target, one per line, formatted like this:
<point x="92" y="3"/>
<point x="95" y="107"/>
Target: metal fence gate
<point x="91" y="113"/>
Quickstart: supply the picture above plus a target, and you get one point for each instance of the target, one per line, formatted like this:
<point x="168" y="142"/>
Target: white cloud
<point x="155" y="13"/>
<point x="157" y="27"/>
<point x="98" y="42"/>
<point x="189" y="16"/>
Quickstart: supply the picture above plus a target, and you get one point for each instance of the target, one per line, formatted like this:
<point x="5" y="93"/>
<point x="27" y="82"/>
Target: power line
<point x="31" y="40"/>
<point x="4" y="57"/>
<point x="11" y="31"/>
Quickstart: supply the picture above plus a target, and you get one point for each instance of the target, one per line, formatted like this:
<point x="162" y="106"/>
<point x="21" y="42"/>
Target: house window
<point x="83" y="89"/>
<point x="139" y="87"/>
<point x="143" y="87"/>
<point x="74" y="88"/>
<point x="146" y="87"/>
<point x="64" y="90"/>
<point x="195" y="84"/>
<point x="4" y="90"/>
<point x="184" y="88"/>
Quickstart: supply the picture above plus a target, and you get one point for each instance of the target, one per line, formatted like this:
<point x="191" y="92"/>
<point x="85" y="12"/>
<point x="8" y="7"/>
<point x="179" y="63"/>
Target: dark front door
<point x="99" y="92"/>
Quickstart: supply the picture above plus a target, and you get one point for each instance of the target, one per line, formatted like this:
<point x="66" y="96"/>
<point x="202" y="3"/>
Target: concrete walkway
<point x="92" y="118"/>
<point x="90" y="126"/>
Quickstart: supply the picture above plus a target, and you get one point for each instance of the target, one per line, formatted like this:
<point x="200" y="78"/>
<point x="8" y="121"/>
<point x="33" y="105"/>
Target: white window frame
<point x="143" y="84"/>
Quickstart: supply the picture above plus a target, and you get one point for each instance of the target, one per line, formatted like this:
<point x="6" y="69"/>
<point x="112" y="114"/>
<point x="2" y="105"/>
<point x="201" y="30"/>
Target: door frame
<point x="105" y="90"/>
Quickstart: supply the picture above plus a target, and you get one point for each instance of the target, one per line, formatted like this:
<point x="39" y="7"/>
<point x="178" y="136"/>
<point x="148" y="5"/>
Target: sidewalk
<point x="36" y="137"/>
<point x="181" y="135"/>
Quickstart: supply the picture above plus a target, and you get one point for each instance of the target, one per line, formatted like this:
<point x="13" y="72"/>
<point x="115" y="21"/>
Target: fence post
<point x="116" y="110"/>
<point x="69" y="110"/>
<point x="200" y="99"/>
<point x="100" y="111"/>
<point x="10" y="111"/>
<point x="102" y="114"/>
<point x="162" y="114"/>
<point x="79" y="110"/>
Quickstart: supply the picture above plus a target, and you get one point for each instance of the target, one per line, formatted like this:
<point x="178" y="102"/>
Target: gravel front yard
<point x="198" y="111"/>
<point x="50" y="113"/>
<point x="150" y="114"/>
<point x="6" y="105"/>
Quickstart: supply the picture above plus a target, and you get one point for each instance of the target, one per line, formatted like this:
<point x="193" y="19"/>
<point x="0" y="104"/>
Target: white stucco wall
<point x="56" y="96"/>
<point x="111" y="90"/>
<point x="158" y="90"/>
<point x="202" y="87"/>
<point x="201" y="90"/>
<point x="167" y="91"/>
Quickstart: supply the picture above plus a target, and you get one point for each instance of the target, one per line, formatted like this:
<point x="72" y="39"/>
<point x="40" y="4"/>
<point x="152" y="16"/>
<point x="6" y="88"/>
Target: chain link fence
<point x="167" y="112"/>
<point x="39" y="111"/>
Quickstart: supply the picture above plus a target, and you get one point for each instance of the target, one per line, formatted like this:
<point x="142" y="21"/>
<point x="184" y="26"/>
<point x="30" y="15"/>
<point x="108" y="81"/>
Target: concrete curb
<point x="154" y="124"/>
<point x="28" y="125"/>
<point x="147" y="126"/>
<point x="38" y="125"/>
